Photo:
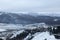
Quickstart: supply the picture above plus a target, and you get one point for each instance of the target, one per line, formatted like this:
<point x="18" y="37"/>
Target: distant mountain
<point x="14" y="18"/>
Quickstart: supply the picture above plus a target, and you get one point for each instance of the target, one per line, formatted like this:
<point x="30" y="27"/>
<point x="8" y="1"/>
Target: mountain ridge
<point x="27" y="19"/>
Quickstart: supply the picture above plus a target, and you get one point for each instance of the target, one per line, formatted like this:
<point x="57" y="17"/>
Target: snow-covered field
<point x="2" y="30"/>
<point x="14" y="26"/>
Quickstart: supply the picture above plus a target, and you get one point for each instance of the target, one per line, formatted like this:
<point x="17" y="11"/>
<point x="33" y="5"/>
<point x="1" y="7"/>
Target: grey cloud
<point x="30" y="5"/>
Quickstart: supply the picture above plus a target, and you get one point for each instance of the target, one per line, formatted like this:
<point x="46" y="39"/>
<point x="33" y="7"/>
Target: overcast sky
<point x="30" y="5"/>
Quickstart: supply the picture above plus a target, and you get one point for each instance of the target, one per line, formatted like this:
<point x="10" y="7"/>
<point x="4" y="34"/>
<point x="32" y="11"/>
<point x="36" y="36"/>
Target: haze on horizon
<point x="30" y="5"/>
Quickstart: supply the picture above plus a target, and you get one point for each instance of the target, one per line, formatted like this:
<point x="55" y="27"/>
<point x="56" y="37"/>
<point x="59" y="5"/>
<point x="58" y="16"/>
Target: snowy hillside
<point x="44" y="36"/>
<point x="16" y="29"/>
<point x="36" y="31"/>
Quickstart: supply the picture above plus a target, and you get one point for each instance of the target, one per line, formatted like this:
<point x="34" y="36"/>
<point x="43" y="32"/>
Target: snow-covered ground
<point x="14" y="26"/>
<point x="1" y="30"/>
<point x="36" y="36"/>
<point x="44" y="36"/>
